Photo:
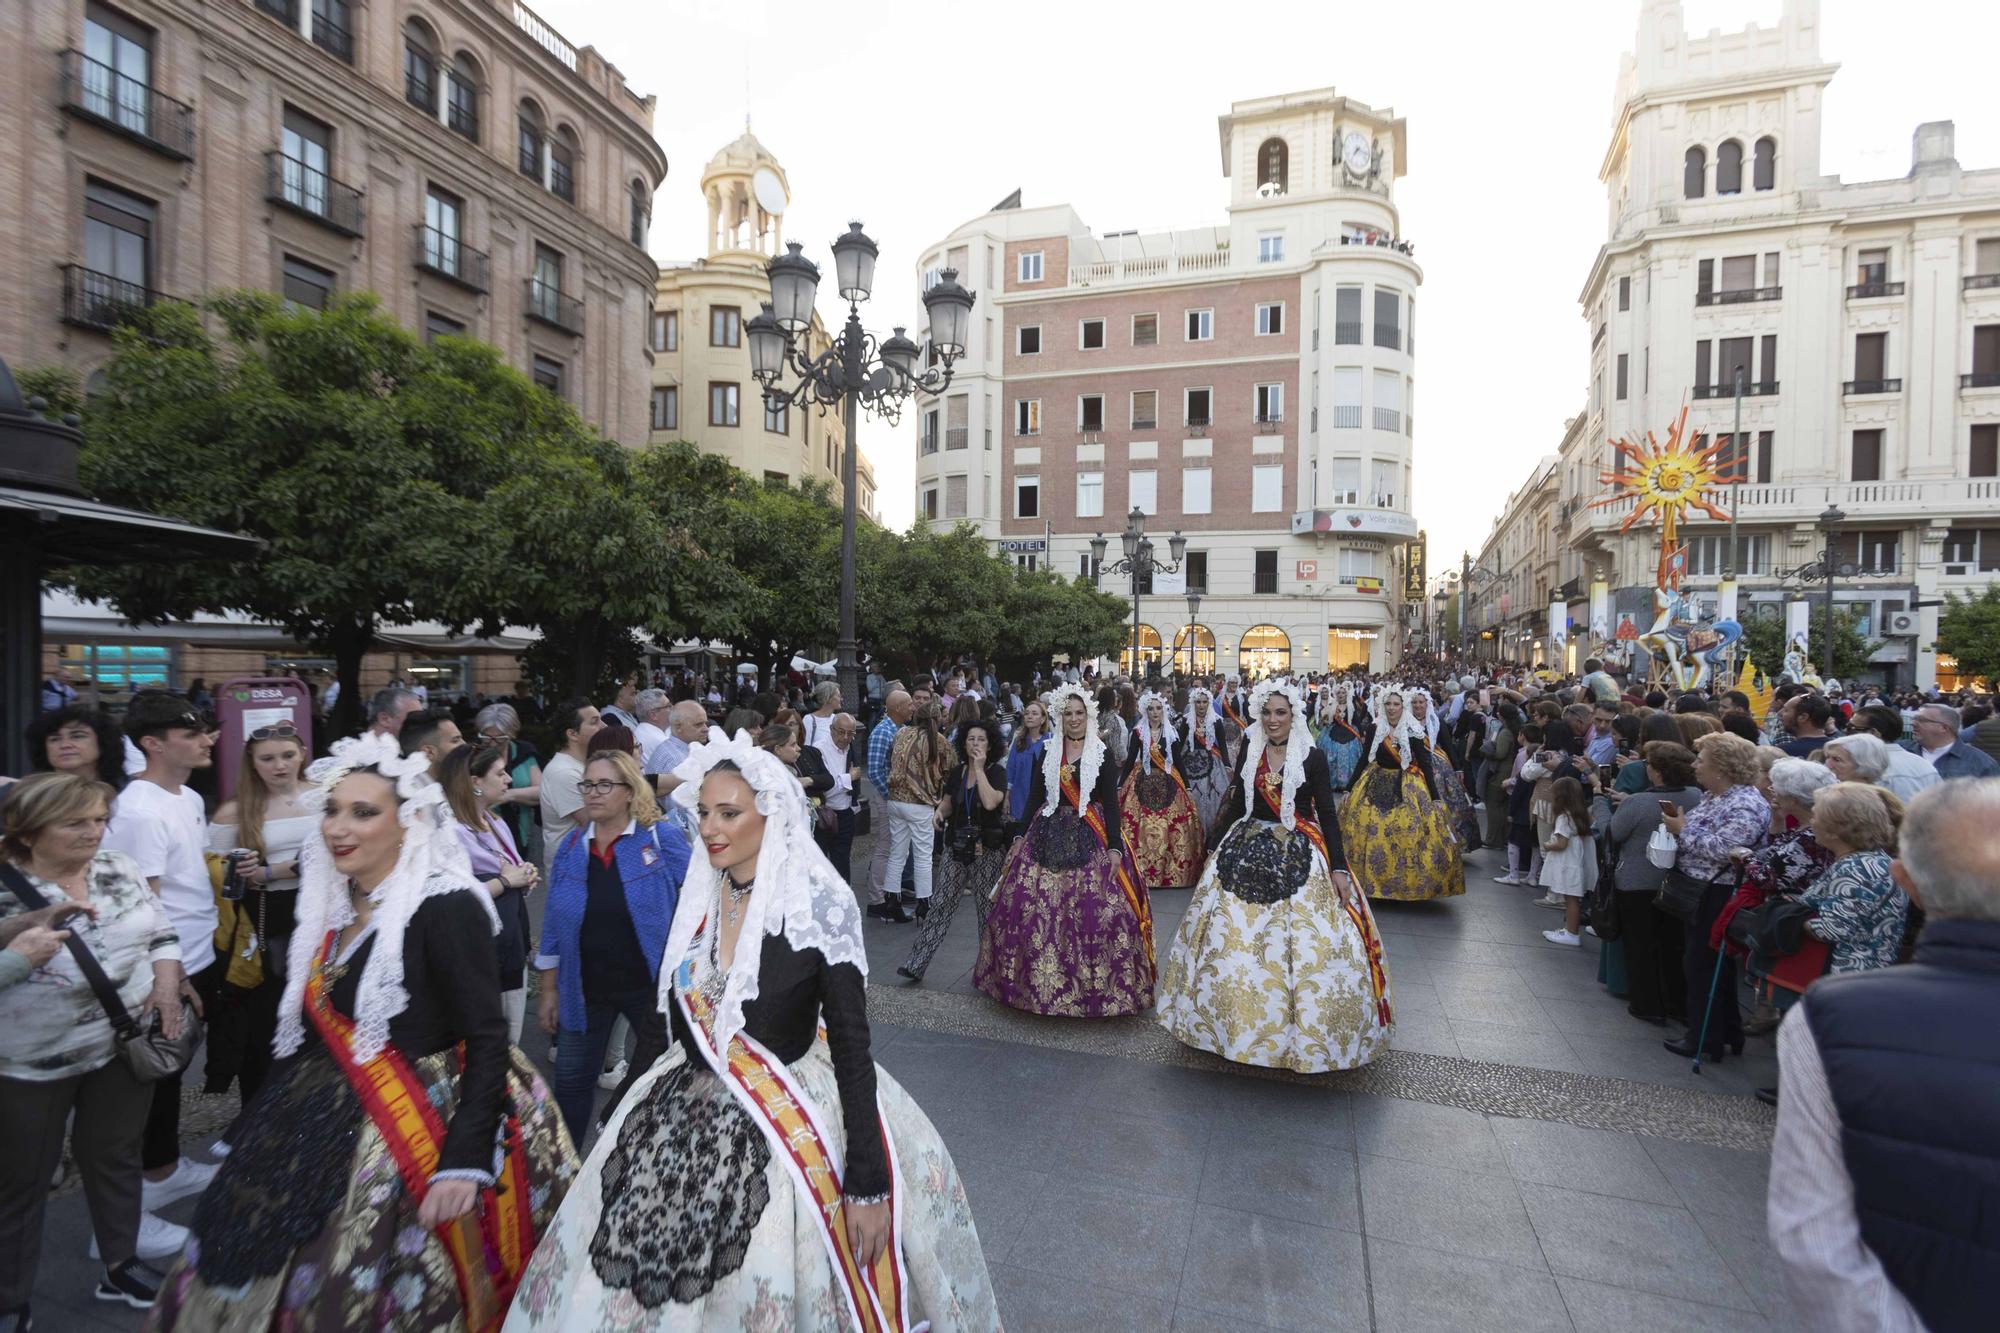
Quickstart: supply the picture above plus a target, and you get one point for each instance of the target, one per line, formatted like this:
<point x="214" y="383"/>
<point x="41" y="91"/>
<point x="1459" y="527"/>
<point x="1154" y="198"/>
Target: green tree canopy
<point x="1969" y="629"/>
<point x="1765" y="642"/>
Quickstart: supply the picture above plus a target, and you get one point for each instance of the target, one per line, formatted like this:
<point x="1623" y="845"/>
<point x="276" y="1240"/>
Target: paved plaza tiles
<point x="1526" y="1157"/>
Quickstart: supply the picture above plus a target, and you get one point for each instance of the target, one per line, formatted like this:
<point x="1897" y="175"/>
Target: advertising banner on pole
<point x="1558" y="636"/>
<point x="1798" y="615"/>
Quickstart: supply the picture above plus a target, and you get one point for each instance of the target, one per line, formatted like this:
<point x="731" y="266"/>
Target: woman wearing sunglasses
<point x="268" y="821"/>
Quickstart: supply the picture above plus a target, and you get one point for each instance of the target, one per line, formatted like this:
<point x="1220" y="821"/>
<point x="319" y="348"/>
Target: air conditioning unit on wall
<point x="1901" y="622"/>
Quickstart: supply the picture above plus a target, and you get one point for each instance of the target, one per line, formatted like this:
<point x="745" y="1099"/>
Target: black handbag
<point x="148" y="1052"/>
<point x="1604" y="911"/>
<point x="1680" y="896"/>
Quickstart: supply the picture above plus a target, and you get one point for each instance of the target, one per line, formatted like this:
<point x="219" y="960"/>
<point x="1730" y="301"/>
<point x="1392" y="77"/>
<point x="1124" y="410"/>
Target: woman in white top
<point x="267" y="819"/>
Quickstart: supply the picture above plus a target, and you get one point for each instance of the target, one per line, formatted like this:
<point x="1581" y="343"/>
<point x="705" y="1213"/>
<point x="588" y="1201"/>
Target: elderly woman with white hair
<point x="1861" y="910"/>
<point x="1865" y="757"/>
<point x="1162" y="825"/>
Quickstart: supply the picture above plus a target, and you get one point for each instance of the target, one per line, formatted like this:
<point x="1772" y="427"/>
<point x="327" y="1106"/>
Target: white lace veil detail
<point x="1430" y="719"/>
<point x="1092" y="758"/>
<point x="1145" y="729"/>
<point x="1405" y="730"/>
<point x="1206" y="727"/>
<point x="1296" y="744"/>
<point x="798" y="893"/>
<point x="432" y="862"/>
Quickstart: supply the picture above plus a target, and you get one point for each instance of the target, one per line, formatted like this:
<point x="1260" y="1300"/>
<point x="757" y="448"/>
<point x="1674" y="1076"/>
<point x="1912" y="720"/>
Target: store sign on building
<point x="1414" y="569"/>
<point x="1358" y="522"/>
<point x="1308" y="571"/>
<point x="1023" y="545"/>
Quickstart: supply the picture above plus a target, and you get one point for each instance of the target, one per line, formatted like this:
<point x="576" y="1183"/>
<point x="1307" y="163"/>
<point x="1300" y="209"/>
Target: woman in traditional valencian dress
<point x="1277" y="962"/>
<point x="764" y="1174"/>
<point x="1450" y="786"/>
<point x="1203" y="757"/>
<point x="1159" y="818"/>
<point x="399" y="1163"/>
<point x="1338" y="740"/>
<point x="1398" y="833"/>
<point x="1070" y="932"/>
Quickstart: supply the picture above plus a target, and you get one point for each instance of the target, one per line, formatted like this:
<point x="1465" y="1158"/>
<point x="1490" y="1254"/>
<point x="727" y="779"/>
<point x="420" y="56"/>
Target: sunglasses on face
<point x="598" y="787"/>
<point x="282" y="731"/>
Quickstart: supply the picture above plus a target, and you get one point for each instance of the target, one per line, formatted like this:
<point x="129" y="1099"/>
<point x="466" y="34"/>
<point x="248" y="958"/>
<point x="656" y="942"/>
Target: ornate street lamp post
<point x="1139" y="563"/>
<point x="857" y="370"/>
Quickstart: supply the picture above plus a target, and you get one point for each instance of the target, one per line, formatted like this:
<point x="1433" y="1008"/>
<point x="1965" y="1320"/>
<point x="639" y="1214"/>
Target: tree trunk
<point x="350" y="644"/>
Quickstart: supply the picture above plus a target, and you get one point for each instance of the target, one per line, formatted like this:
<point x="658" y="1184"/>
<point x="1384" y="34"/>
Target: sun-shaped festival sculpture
<point x="1664" y="481"/>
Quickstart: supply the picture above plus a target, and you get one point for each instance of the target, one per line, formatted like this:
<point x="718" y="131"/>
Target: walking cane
<point x="1701" y="1043"/>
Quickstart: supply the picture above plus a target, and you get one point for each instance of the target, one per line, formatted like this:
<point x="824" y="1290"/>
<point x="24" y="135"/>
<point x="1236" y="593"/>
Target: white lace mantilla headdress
<point x="1430" y="718"/>
<point x="1092" y="758"/>
<point x="1207" y="727"/>
<point x="1405" y="730"/>
<point x="798" y="893"/>
<point x="1296" y="744"/>
<point x="1145" y="729"/>
<point x="432" y="862"/>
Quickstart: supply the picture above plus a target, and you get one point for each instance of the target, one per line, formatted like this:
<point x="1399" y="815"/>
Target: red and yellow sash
<point x="488" y="1248"/>
<point x="1159" y="761"/>
<point x="1230" y="713"/>
<point x="1128" y="875"/>
<point x="1201" y="735"/>
<point x="877" y="1296"/>
<point x="1271" y="784"/>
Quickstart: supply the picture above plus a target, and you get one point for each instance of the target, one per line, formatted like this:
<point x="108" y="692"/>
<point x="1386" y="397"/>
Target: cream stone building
<point x="1248" y="384"/>
<point x="1514" y="572"/>
<point x="459" y="158"/>
<point x="702" y="389"/>
<point x="1864" y="318"/>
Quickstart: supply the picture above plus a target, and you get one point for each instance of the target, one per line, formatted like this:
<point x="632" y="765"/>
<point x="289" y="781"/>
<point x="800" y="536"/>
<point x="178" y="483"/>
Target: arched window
<point x="1729" y="168"/>
<point x="420" y="66"/>
<point x="642" y="217"/>
<point x="1194" y="650"/>
<point x="461" y="96"/>
<point x="1764" y="171"/>
<point x="1273" y="164"/>
<point x="1149" y="652"/>
<point x="531" y="135"/>
<point x="1694" y="175"/>
<point x="563" y="156"/>
<point x="1265" y="649"/>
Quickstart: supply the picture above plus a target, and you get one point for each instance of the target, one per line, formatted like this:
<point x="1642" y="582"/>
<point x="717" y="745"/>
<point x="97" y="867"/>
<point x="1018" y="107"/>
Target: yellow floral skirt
<point x="1398" y="837"/>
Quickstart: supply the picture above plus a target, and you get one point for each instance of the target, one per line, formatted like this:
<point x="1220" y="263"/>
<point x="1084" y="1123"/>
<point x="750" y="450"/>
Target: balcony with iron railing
<point x="1739" y="296"/>
<point x="306" y="190"/>
<point x="1980" y="379"/>
<point x="1388" y="335"/>
<point x="325" y="32"/>
<point x="1862" y="291"/>
<point x="1347" y="416"/>
<point x="1270" y="423"/>
<point x="93" y="91"/>
<point x="1388" y="418"/>
<point x="1197" y="424"/>
<point x="549" y="304"/>
<point x="1855" y="388"/>
<point x="93" y="300"/>
<point x="927" y="443"/>
<point x="1347" y="333"/>
<point x="1975" y="281"/>
<point x="957" y="437"/>
<point x="1751" y="389"/>
<point x="450" y="258"/>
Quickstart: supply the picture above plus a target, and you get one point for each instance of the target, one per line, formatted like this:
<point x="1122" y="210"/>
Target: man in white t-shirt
<point x="161" y="823"/>
<point x="560" y="799"/>
<point x="650" y="708"/>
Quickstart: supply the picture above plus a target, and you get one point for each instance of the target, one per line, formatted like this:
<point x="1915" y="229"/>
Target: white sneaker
<point x="1507" y="878"/>
<point x="158" y="1239"/>
<point x="612" y="1077"/>
<point x="1563" y="937"/>
<point x="1590" y="930"/>
<point x="189" y="1178"/>
<point x="1548" y="900"/>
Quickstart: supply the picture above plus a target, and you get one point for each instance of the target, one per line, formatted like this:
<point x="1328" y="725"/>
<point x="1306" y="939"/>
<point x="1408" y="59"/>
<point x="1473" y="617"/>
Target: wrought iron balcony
<point x="1346" y="331"/>
<point x="957" y="437"/>
<point x="1980" y="379"/>
<point x="1197" y="425"/>
<point x="452" y="259"/>
<point x="310" y="192"/>
<point x="327" y="33"/>
<point x="93" y="91"/>
<point x="1853" y="387"/>
<point x="1388" y="335"/>
<point x="548" y="303"/>
<point x="1270" y="423"/>
<point x="93" y="300"/>
<point x="1347" y="416"/>
<point x="1759" y="389"/>
<point x="1739" y="296"/>
<point x="1974" y="281"/>
<point x="1863" y="290"/>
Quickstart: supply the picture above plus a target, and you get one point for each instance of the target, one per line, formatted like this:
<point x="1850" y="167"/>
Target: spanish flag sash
<point x="488" y="1248"/>
<point x="1128" y="874"/>
<point x="1271" y="785"/>
<point x="877" y="1296"/>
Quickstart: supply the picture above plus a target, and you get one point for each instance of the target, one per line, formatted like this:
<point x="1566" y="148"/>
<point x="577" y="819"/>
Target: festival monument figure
<point x="398" y="1165"/>
<point x="764" y="1173"/>
<point x="1160" y="821"/>
<point x="1397" y="829"/>
<point x="1070" y="932"/>
<point x="1277" y="962"/>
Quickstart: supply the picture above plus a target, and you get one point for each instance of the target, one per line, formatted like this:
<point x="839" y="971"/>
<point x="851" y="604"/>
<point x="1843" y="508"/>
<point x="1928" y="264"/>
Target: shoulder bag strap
<point x="86" y="961"/>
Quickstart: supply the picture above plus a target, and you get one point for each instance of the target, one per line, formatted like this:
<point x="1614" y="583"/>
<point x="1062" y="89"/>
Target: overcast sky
<point x="915" y="118"/>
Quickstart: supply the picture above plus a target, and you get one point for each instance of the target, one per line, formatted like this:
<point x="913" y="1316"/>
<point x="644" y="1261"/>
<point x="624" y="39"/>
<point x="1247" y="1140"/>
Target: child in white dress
<point x="1569" y="858"/>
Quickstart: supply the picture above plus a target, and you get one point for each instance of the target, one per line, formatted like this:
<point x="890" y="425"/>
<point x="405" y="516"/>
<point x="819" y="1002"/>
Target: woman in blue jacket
<point x="613" y="886"/>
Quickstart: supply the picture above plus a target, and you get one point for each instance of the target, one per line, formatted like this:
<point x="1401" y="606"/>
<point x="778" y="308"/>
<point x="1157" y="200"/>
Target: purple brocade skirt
<point x="1061" y="937"/>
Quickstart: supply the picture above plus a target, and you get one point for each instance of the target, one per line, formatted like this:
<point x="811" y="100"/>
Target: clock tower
<point x="747" y="196"/>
